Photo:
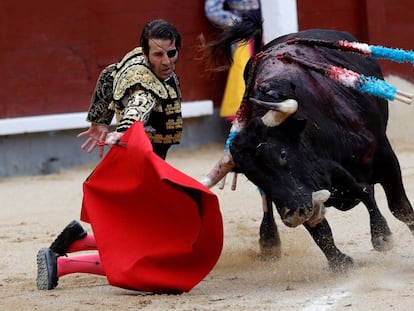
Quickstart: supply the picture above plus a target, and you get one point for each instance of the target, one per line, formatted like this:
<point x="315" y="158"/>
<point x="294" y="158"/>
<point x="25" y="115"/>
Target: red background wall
<point x="378" y="22"/>
<point x="51" y="52"/>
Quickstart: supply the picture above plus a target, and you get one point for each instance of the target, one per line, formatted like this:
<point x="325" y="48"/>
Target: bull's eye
<point x="283" y="157"/>
<point x="270" y="155"/>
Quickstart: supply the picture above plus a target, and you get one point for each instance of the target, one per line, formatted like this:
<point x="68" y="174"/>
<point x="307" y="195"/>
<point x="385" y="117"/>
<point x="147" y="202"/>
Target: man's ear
<point x="146" y="57"/>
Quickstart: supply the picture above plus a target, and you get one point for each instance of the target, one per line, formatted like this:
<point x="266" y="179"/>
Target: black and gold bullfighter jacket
<point x="132" y="92"/>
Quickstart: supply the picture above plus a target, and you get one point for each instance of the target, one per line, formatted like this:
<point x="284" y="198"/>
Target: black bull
<point x="335" y="142"/>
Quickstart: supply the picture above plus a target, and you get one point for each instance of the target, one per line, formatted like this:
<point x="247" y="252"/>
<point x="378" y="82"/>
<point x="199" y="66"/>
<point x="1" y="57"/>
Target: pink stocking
<point x="79" y="264"/>
<point x="85" y="244"/>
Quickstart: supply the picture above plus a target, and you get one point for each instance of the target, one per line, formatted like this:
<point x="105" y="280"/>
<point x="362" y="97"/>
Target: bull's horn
<point x="321" y="196"/>
<point x="288" y="106"/>
<point x="318" y="198"/>
<point x="223" y="166"/>
<point x="279" y="111"/>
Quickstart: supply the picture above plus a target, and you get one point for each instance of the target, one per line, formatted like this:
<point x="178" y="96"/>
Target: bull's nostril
<point x="285" y="212"/>
<point x="302" y="212"/>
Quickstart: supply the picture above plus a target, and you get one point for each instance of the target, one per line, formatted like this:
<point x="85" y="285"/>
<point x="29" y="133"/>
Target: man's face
<point x="162" y="57"/>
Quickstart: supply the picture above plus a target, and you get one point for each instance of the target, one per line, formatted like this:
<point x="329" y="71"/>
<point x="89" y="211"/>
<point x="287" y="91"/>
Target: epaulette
<point x="132" y="70"/>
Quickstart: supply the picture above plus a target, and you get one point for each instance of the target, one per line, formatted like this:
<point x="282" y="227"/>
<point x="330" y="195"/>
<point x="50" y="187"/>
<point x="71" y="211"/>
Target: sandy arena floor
<point x="35" y="209"/>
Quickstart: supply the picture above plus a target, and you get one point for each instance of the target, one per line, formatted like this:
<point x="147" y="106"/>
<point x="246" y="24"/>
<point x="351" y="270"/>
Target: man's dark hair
<point x="159" y="29"/>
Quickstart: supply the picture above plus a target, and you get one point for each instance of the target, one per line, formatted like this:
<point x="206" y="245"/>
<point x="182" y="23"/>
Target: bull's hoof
<point x="270" y="253"/>
<point x="341" y="264"/>
<point x="383" y="242"/>
<point x="270" y="248"/>
<point x="269" y="241"/>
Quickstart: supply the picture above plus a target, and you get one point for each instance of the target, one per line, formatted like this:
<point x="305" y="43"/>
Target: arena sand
<point x="34" y="209"/>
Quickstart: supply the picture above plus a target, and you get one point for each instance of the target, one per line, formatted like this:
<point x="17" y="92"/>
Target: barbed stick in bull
<point x="374" y="51"/>
<point x="370" y="85"/>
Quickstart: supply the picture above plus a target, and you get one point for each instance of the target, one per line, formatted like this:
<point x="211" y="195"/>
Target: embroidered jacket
<point x="133" y="92"/>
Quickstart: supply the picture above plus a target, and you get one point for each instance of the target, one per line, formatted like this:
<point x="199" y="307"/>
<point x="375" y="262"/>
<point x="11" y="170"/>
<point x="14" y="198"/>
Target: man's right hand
<point x="97" y="135"/>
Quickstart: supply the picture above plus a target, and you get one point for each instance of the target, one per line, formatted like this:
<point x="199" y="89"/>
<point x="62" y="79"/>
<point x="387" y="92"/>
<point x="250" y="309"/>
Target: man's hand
<point x="113" y="138"/>
<point x="97" y="135"/>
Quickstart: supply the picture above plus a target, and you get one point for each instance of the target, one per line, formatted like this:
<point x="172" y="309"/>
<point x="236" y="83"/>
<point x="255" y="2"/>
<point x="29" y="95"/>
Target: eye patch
<point x="171" y="53"/>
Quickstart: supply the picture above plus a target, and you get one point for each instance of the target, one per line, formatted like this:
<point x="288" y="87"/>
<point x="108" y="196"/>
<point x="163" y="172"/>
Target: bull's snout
<point x="314" y="214"/>
<point x="295" y="217"/>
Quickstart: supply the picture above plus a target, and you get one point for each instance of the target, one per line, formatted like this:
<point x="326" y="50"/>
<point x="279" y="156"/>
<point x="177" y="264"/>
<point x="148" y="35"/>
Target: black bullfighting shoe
<point x="46" y="269"/>
<point x="72" y="232"/>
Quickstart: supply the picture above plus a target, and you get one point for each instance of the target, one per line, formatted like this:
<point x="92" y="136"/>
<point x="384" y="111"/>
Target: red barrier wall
<point x="378" y="22"/>
<point x="51" y="52"/>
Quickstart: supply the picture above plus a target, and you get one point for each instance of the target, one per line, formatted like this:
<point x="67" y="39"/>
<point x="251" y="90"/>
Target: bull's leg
<point x="270" y="245"/>
<point x="322" y="235"/>
<point x="390" y="178"/>
<point x="401" y="208"/>
<point x="381" y="236"/>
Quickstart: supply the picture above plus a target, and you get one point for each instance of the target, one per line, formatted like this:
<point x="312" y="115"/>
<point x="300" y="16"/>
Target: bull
<point x="310" y="135"/>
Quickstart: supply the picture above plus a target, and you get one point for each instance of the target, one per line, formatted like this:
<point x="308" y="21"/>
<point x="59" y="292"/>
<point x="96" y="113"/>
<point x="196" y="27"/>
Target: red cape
<point x="156" y="228"/>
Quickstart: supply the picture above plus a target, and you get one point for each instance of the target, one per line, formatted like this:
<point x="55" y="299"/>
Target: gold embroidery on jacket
<point x="99" y="111"/>
<point x="173" y="108"/>
<point x="165" y="139"/>
<point x="133" y="70"/>
<point x="140" y="105"/>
